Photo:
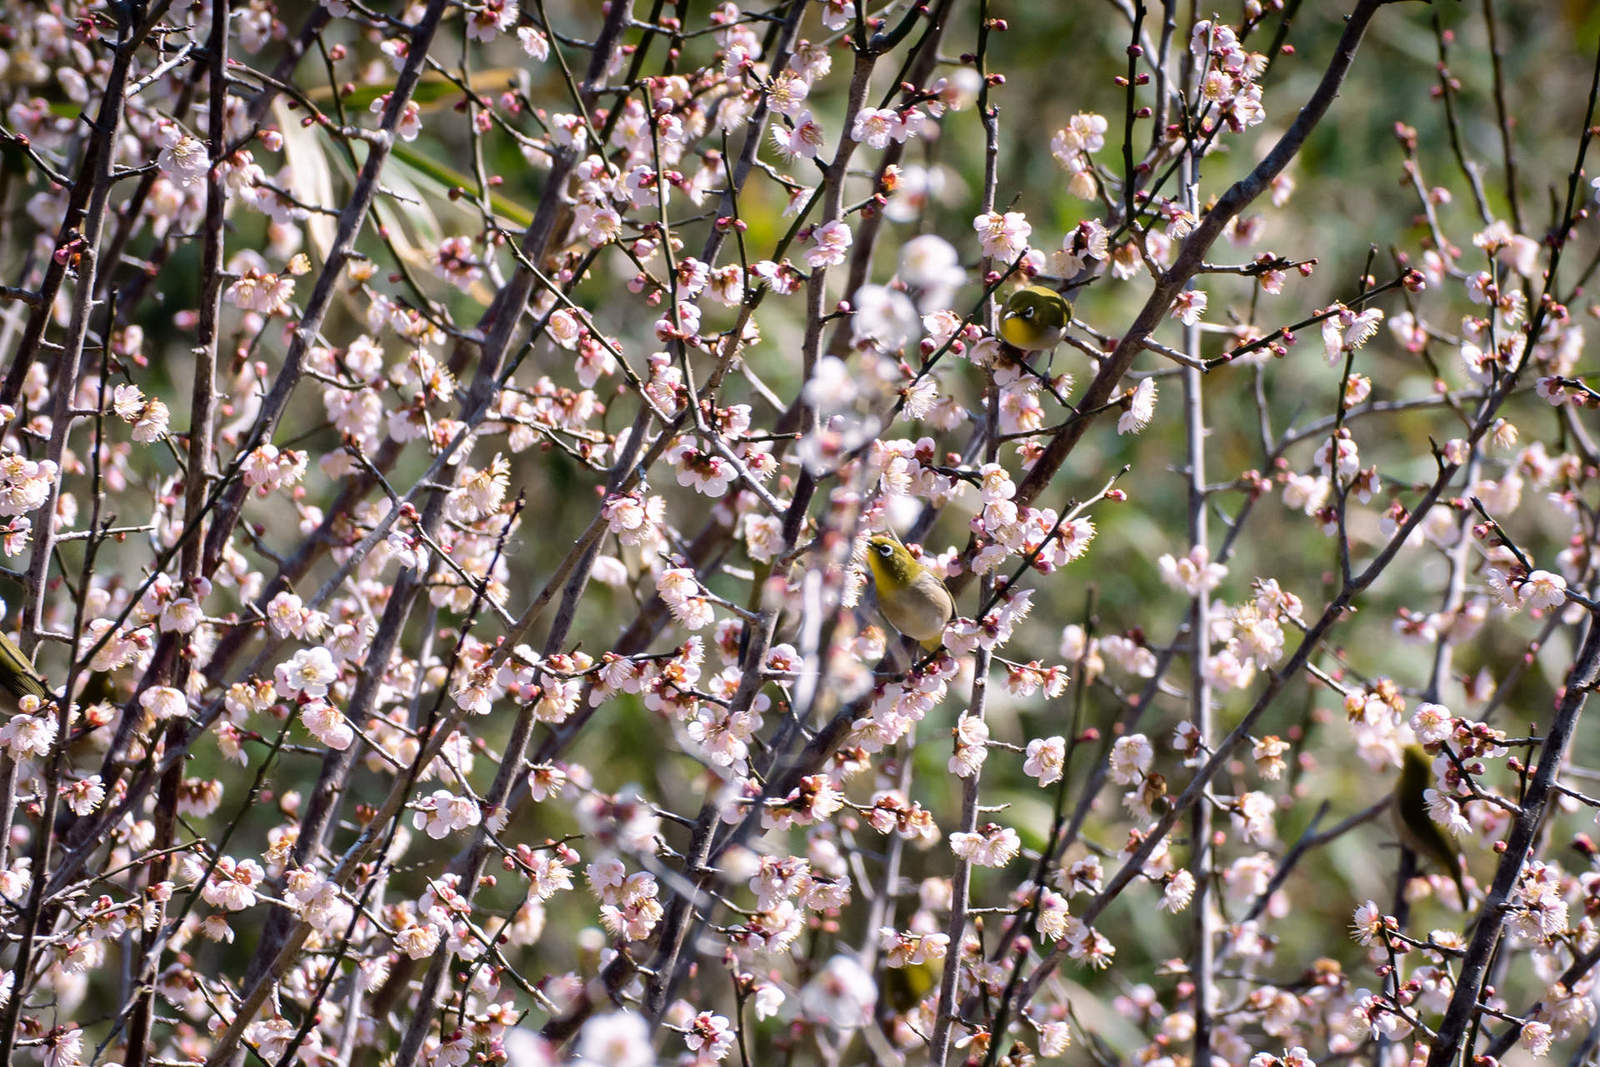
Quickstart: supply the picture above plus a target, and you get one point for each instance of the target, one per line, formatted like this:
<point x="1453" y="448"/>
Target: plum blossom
<point x="883" y="317"/>
<point x="1072" y="145"/>
<point x="442" y="813"/>
<point x="1046" y="759"/>
<point x="309" y="673"/>
<point x="972" y="737"/>
<point x="990" y="846"/>
<point x="1141" y="407"/>
<point x="535" y="44"/>
<point x="183" y="158"/>
<point x="1431" y="723"/>
<point x="710" y="1036"/>
<point x="874" y="126"/>
<point x="1543" y="590"/>
<point x="931" y="264"/>
<point x="327" y="723"/>
<point x="668" y="653"/>
<point x="829" y="243"/>
<point x="681" y="592"/>
<point x="1189" y="306"/>
<point x="231" y="886"/>
<point x="1346" y="330"/>
<point x="615" y="1039"/>
<point x="843" y="994"/>
<point x="1003" y="236"/>
<point x="1178" y="892"/>
<point x="1367" y="923"/>
<point x="24" y="483"/>
<point x="164" y="702"/>
<point x="803" y="140"/>
<point x="1193" y="574"/>
<point x="85" y="795"/>
<point x="1131" y="759"/>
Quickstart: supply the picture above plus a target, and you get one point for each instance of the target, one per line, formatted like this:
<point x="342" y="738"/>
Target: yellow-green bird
<point x="910" y="595"/>
<point x="18" y="677"/>
<point x="1035" y="318"/>
<point x="1416" y="827"/>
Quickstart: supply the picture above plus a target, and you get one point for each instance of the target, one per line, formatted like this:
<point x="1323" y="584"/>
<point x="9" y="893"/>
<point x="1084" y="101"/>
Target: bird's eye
<point x="1027" y="312"/>
<point x="884" y="550"/>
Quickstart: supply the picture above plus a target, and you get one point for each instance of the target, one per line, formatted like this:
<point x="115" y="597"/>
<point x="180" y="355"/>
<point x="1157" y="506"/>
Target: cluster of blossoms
<point x="567" y="569"/>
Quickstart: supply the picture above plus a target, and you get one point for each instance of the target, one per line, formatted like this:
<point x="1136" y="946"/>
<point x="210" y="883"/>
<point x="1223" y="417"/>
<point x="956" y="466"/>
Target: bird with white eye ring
<point x="910" y="595"/>
<point x="1035" y="318"/>
<point x="18" y="677"/>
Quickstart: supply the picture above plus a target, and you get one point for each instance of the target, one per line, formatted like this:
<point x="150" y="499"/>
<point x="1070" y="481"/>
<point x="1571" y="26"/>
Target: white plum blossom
<point x="681" y="592"/>
<point x="1131" y="759"/>
<point x="931" y="264"/>
<point x="443" y="812"/>
<point x="1543" y="590"/>
<point x="1046" y="758"/>
<point x="528" y="513"/>
<point x="710" y="1036"/>
<point x="327" y="723"/>
<point x="24" y="483"/>
<point x="1345" y="330"/>
<point x="843" y="994"/>
<point x="990" y="846"/>
<point x="232" y="884"/>
<point x="85" y="795"/>
<point x="874" y="126"/>
<point x="802" y="140"/>
<point x="183" y="158"/>
<point x="1194" y="573"/>
<point x="883" y="317"/>
<point x="309" y="673"/>
<point x="1004" y="235"/>
<point x="1431" y="723"/>
<point x="615" y="1039"/>
<point x="164" y="702"/>
<point x="1141" y="408"/>
<point x="829" y="243"/>
<point x="1178" y="892"/>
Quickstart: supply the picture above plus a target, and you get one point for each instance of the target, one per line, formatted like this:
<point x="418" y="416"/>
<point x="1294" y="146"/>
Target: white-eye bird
<point x="1035" y="318"/>
<point x="1416" y="827"/>
<point x="910" y="595"/>
<point x="18" y="676"/>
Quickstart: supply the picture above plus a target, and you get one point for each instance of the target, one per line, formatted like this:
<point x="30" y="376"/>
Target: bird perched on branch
<point x="1417" y="830"/>
<point x="1035" y="318"/>
<point x="18" y="677"/>
<point x="910" y="595"/>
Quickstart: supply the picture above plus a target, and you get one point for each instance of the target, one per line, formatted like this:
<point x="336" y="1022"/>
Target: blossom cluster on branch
<point x="477" y="661"/>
